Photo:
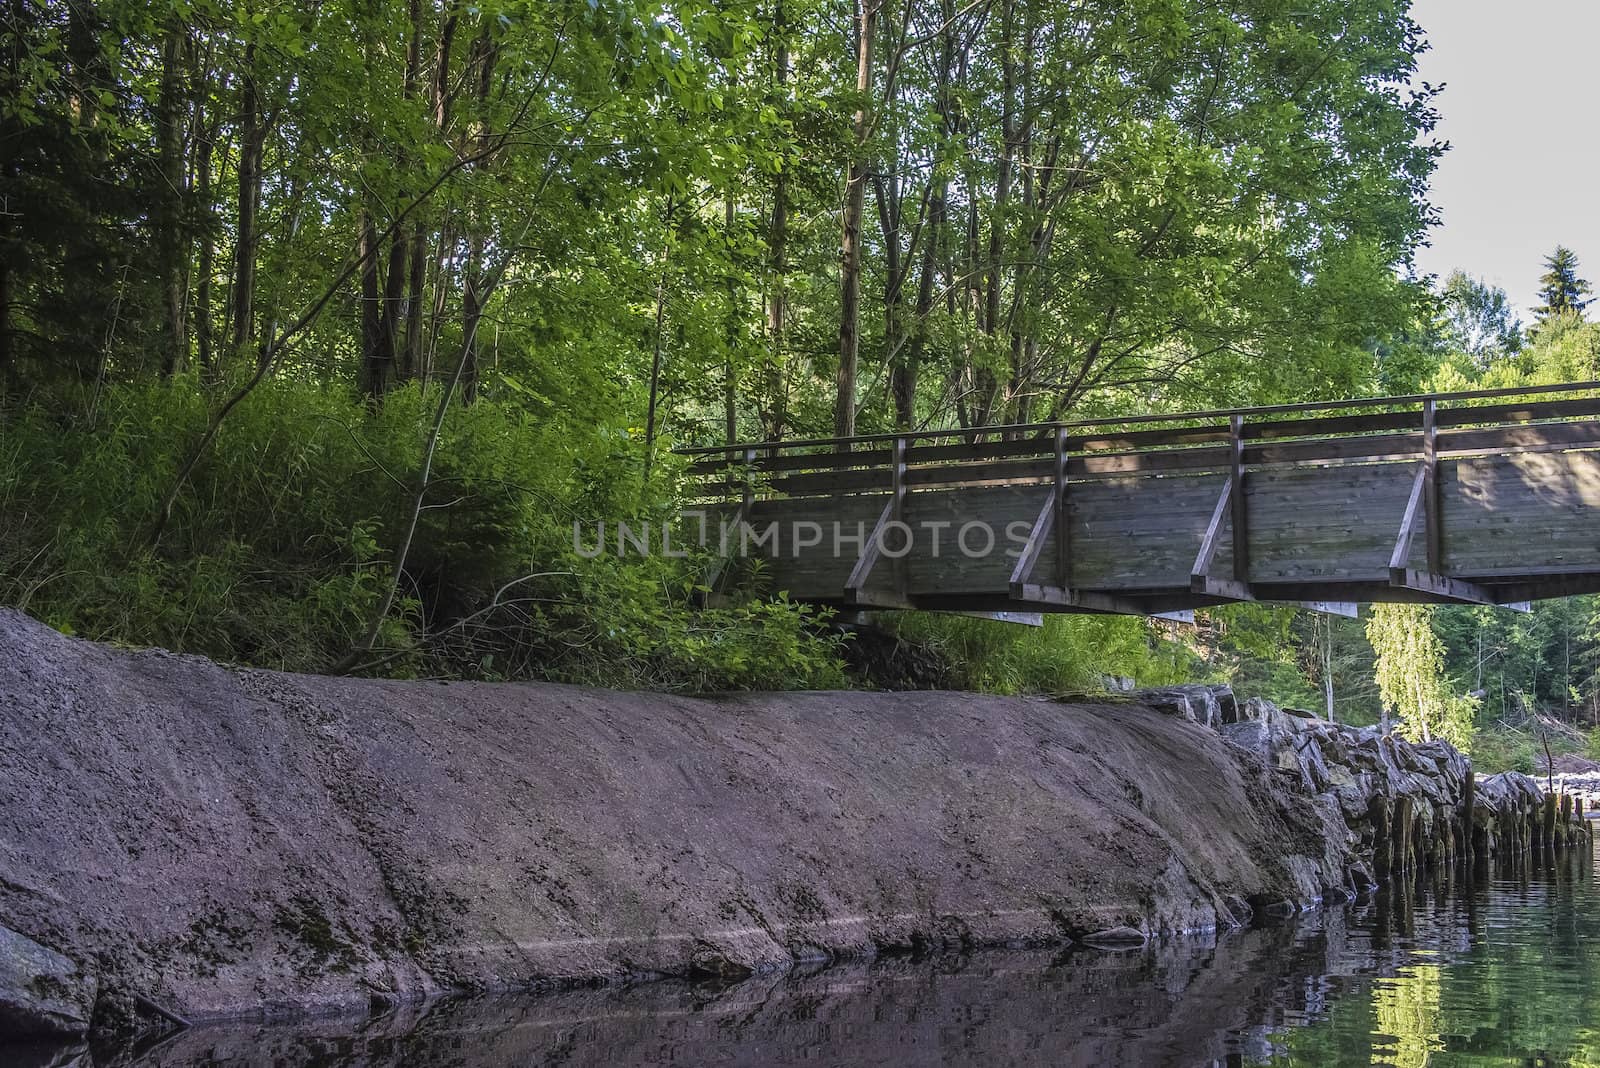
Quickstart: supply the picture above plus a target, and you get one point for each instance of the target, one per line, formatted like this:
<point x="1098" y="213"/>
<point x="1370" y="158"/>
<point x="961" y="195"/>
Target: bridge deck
<point x="1489" y="497"/>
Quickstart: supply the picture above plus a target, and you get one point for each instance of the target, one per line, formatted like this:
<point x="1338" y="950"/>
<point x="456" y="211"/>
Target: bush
<point x="1067" y="653"/>
<point x="281" y="546"/>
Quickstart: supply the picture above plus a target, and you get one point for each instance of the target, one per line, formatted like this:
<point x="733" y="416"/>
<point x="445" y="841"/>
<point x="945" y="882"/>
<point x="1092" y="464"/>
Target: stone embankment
<point x="184" y="841"/>
<point x="1403" y="805"/>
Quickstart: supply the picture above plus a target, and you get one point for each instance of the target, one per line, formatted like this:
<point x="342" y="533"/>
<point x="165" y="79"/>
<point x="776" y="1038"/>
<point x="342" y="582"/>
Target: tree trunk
<point x="251" y="138"/>
<point x="411" y="359"/>
<point x="375" y="359"/>
<point x="988" y="395"/>
<point x="168" y="213"/>
<point x="778" y="251"/>
<point x="205" y="138"/>
<point x="473" y="295"/>
<point x="471" y="315"/>
<point x="730" y="376"/>
<point x="844" y="412"/>
<point x="401" y="283"/>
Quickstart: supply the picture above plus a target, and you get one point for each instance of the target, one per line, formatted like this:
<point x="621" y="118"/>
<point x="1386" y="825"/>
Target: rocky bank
<point x="180" y="841"/>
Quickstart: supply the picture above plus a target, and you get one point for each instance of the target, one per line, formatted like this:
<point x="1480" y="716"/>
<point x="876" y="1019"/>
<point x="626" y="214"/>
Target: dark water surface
<point x="1502" y="971"/>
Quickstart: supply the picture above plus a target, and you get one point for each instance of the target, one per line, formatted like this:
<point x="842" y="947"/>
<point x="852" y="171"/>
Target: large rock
<point x="1206" y="704"/>
<point x="227" y="842"/>
<point x="41" y="992"/>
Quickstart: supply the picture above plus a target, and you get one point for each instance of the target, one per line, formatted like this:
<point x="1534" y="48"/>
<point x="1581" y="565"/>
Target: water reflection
<point x="1445" y="971"/>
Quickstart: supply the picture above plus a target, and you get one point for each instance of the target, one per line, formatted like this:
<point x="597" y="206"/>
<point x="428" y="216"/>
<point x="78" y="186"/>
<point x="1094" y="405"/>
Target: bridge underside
<point x="1417" y="501"/>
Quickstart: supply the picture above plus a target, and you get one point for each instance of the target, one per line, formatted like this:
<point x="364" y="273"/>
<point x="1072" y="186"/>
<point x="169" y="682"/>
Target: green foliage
<point x="1560" y="287"/>
<point x="1411" y="679"/>
<point x="1479" y="319"/>
<point x="1066" y="654"/>
<point x="280" y="552"/>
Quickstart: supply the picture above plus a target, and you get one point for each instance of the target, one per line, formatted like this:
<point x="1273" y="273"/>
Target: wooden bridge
<point x="1488" y="497"/>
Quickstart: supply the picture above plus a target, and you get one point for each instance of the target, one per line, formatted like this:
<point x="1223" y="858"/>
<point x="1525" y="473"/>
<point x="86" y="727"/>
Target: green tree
<point x="1479" y="320"/>
<point x="1410" y="674"/>
<point x="1560" y="288"/>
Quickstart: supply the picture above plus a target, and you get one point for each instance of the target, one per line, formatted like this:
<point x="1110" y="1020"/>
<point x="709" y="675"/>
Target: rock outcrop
<point x="179" y="840"/>
<point x="204" y="842"/>
<point x="1401" y="805"/>
<point x="42" y="993"/>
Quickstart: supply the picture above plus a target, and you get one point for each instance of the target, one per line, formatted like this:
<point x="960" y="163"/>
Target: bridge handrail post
<point x="1240" y="514"/>
<point x="1062" y="515"/>
<point x="749" y="481"/>
<point x="897" y="507"/>
<point x="1430" y="486"/>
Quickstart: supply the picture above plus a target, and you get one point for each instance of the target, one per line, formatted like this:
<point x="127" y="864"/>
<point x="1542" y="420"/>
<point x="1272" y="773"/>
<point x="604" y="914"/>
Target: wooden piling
<point x="1378" y="815"/>
<point x="1400" y="858"/>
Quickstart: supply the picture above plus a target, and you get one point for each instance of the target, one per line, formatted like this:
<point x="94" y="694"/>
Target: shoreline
<point x="186" y="840"/>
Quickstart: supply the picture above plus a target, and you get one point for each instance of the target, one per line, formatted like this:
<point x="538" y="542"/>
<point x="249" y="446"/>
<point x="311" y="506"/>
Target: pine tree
<point x="1560" y="287"/>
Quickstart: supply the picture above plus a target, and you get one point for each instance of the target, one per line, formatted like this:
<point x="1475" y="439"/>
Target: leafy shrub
<point x="281" y="546"/>
<point x="1069" y="652"/>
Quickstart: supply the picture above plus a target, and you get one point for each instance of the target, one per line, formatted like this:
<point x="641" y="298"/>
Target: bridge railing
<point x="1368" y="498"/>
<point x="1360" y="430"/>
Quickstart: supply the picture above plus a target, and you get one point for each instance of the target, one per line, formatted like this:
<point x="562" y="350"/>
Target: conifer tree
<point x="1560" y="287"/>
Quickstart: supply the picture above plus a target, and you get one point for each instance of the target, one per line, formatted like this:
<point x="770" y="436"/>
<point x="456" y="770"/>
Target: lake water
<point x="1502" y="971"/>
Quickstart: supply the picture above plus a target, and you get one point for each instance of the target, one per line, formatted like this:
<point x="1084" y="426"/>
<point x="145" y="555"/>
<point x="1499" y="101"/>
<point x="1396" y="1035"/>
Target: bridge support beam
<point x="1201" y="580"/>
<point x="1423" y="503"/>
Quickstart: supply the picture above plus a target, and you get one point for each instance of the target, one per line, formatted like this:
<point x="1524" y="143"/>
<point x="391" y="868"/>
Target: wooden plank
<point x="829" y="483"/>
<point x="1333" y="524"/>
<point x="1209" y="543"/>
<point x="1330" y="426"/>
<point x="1078" y="467"/>
<point x="1016" y="430"/>
<point x="897" y="503"/>
<point x="1138" y="533"/>
<point x="1531" y="514"/>
<point x="1036" y="541"/>
<point x="1346" y="609"/>
<point x="1577" y="434"/>
<point x="1368" y="446"/>
<point x="1442" y="586"/>
<point x="1408" y="521"/>
<point x="857" y="582"/>
<point x="1519" y="412"/>
<point x="1089" y="601"/>
<point x="1224" y="588"/>
<point x="978" y="452"/>
<point x="951" y="558"/>
<point x="794" y="461"/>
<point x="1546" y="588"/>
<point x="821" y="571"/>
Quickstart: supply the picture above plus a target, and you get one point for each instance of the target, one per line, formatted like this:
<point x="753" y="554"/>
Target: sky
<point x="1522" y="79"/>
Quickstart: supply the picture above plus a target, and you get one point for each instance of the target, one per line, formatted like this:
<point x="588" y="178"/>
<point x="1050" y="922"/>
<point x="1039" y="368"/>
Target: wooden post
<point x="749" y="481"/>
<point x="1378" y="816"/>
<point x="897" y="512"/>
<point x="1430" y="488"/>
<point x="1400" y="835"/>
<point x="1241" y="528"/>
<point x="1062" y="515"/>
